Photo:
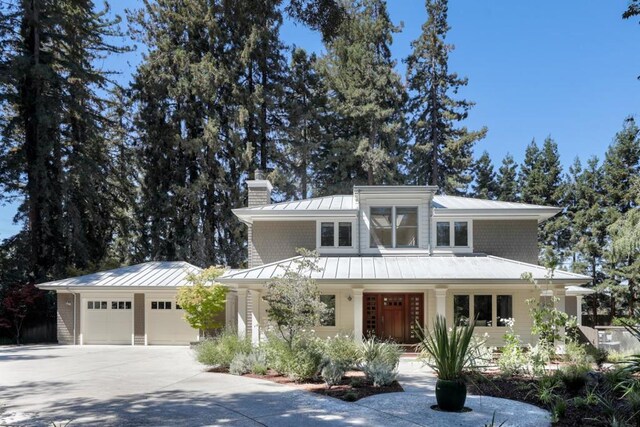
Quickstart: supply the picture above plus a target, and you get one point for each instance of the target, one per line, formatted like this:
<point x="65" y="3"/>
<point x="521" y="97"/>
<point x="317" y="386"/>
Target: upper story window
<point x="394" y="227"/>
<point x="336" y="234"/>
<point x="452" y="234"/>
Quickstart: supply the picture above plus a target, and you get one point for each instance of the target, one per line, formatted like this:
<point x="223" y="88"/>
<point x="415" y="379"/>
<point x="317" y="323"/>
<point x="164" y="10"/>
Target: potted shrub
<point x="448" y="352"/>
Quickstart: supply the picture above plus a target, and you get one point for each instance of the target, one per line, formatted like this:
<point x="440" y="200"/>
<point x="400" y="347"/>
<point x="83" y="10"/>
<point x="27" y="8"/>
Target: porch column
<point x="357" y="314"/>
<point x="560" y="305"/>
<point x="579" y="310"/>
<point x="441" y="301"/>
<point x="242" y="313"/>
<point x="255" y="316"/>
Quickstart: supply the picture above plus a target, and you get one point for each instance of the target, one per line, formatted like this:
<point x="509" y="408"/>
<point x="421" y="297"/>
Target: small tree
<point x="17" y="304"/>
<point x="548" y="321"/>
<point x="203" y="300"/>
<point x="294" y="299"/>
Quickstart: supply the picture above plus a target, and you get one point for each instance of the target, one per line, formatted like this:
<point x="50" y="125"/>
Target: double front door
<point x="393" y="316"/>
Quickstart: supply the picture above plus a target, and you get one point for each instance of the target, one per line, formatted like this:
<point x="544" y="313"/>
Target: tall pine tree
<point x="507" y="180"/>
<point x="366" y="141"/>
<point x="442" y="151"/>
<point x="485" y="185"/>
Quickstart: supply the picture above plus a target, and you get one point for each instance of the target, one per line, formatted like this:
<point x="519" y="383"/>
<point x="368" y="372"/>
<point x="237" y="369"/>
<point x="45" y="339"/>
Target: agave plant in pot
<point x="448" y="352"/>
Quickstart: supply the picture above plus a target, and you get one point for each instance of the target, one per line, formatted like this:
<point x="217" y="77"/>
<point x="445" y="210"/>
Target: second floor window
<point x="394" y="227"/>
<point x="336" y="234"/>
<point x="452" y="233"/>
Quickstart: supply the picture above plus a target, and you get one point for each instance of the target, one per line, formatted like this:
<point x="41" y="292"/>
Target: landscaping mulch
<point x="354" y="386"/>
<point x="523" y="389"/>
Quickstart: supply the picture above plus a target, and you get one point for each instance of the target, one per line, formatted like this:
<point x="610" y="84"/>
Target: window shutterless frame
<point x="335" y="234"/>
<point x="379" y="230"/>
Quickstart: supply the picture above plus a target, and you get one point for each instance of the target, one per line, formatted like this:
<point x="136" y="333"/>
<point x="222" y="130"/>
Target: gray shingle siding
<point x="271" y="241"/>
<point x="511" y="239"/>
<point x="65" y="318"/>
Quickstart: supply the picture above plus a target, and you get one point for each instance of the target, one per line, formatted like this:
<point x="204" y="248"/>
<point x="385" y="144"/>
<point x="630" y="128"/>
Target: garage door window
<point x="97" y="305"/>
<point x="121" y="305"/>
<point x="160" y="305"/>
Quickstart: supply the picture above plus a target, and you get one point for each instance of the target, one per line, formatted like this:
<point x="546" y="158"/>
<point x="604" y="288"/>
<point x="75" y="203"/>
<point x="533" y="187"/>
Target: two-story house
<point x="391" y="256"/>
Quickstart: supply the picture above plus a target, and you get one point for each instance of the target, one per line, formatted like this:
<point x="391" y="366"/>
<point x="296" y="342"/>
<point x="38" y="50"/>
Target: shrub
<point x="574" y="377"/>
<point x="240" y="364"/>
<point x="379" y="360"/>
<point x="300" y="362"/>
<point x="254" y="362"/>
<point x="373" y="350"/>
<point x="576" y="352"/>
<point x="512" y="360"/>
<point x="539" y="358"/>
<point x="624" y="321"/>
<point x="222" y="349"/>
<point x="332" y="373"/>
<point x="381" y="373"/>
<point x="599" y="356"/>
<point x="341" y="350"/>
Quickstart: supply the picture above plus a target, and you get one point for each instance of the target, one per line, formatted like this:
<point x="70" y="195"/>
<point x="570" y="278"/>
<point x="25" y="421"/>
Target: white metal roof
<point x="333" y="203"/>
<point x="161" y="274"/>
<point x="346" y="205"/>
<point x="456" y="202"/>
<point x="427" y="269"/>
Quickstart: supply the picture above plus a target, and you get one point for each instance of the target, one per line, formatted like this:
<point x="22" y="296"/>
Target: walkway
<point x="162" y="386"/>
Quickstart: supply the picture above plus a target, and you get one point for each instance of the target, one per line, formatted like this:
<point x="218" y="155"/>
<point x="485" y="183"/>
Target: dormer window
<point x="394" y="227"/>
<point x="336" y="234"/>
<point x="452" y="234"/>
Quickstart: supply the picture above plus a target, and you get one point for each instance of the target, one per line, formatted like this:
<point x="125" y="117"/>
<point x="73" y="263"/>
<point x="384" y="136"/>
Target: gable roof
<point x="154" y="274"/>
<point x="420" y="269"/>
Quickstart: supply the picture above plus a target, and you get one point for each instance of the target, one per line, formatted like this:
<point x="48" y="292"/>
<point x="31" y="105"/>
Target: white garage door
<point x="165" y="322"/>
<point x="107" y="321"/>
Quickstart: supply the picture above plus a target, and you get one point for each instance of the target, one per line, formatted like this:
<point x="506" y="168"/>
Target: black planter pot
<point x="451" y="395"/>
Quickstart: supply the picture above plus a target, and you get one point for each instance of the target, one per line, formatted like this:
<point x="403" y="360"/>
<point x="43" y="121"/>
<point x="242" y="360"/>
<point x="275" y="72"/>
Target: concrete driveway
<point x="158" y="386"/>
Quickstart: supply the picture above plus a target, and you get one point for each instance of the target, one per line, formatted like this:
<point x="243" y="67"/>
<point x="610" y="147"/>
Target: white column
<point x="255" y="317"/>
<point x="357" y="314"/>
<point x="579" y="309"/>
<point x="441" y="301"/>
<point x="560" y="305"/>
<point x="242" y="313"/>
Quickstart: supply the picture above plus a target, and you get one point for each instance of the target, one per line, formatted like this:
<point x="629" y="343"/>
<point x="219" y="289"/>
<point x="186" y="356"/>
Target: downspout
<point x="429" y="219"/>
<point x="359" y="230"/>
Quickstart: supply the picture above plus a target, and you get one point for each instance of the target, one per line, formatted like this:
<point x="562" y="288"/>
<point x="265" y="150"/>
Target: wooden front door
<point x="393" y="316"/>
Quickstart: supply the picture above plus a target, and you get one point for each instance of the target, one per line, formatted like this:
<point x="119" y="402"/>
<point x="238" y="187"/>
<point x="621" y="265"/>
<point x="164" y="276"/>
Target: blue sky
<point x="567" y="69"/>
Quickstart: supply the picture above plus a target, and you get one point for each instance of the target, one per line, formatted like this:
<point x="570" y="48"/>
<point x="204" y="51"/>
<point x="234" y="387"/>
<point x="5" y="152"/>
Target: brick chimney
<point x="259" y="190"/>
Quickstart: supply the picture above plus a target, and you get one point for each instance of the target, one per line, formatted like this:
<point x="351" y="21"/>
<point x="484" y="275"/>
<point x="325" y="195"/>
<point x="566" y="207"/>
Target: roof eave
<point x="466" y="281"/>
<point x="247" y="215"/>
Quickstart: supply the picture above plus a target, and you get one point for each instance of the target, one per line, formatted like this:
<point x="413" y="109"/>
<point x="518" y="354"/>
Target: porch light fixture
<point x="349" y="298"/>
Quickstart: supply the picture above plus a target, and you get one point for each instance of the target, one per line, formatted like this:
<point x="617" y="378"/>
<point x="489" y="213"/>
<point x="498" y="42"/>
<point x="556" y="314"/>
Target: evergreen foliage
<point x="442" y="153"/>
<point x="484" y="185"/>
<point x="507" y="183"/>
<point x="367" y="100"/>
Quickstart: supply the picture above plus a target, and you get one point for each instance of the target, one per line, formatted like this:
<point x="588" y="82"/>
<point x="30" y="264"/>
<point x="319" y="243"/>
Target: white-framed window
<point x="96" y="305"/>
<point x="480" y="307"/>
<point x="329" y="318"/>
<point x="393" y="227"/>
<point x="120" y="305"/>
<point x="161" y="305"/>
<point x="452" y="233"/>
<point x="335" y="234"/>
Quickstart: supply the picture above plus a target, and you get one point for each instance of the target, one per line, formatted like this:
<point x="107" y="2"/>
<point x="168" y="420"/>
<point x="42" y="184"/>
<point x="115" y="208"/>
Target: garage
<point x="165" y="322"/>
<point x="107" y="320"/>
<point x="133" y="305"/>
